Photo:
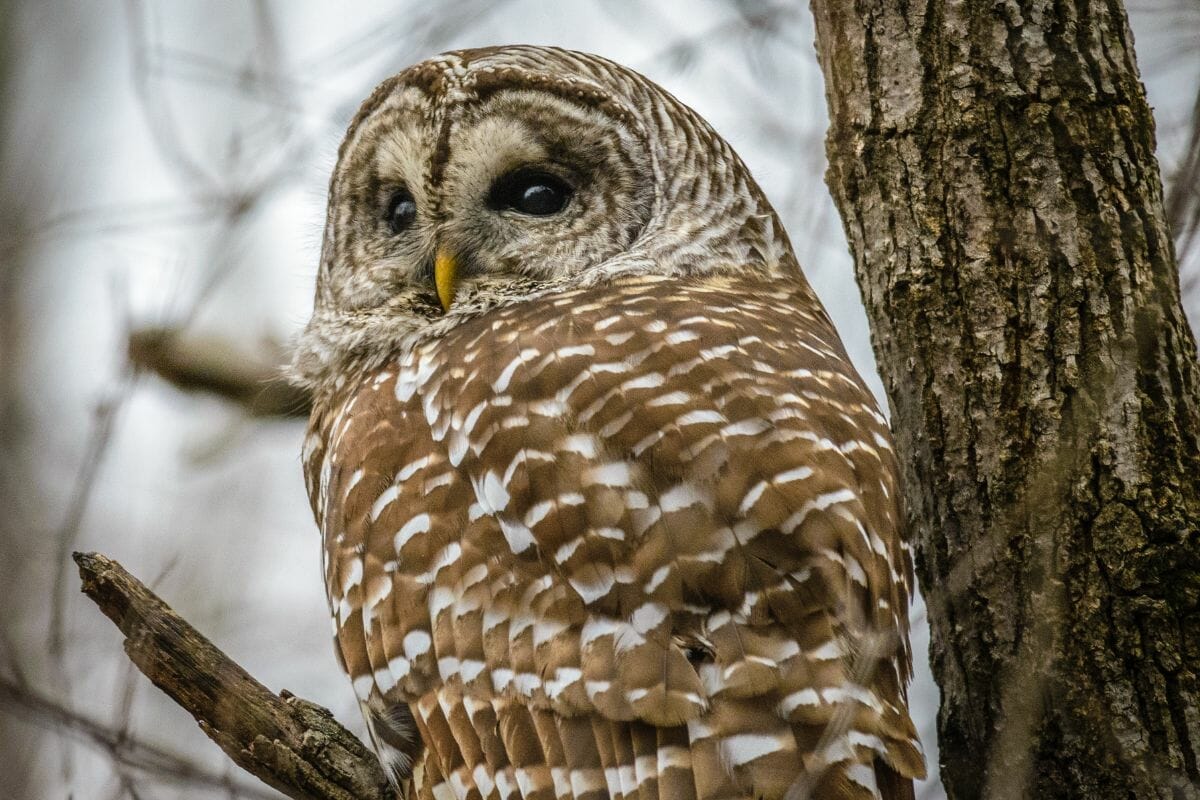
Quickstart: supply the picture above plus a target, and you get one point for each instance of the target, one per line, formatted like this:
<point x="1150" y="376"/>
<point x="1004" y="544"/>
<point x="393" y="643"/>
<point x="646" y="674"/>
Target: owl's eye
<point x="401" y="211"/>
<point x="532" y="192"/>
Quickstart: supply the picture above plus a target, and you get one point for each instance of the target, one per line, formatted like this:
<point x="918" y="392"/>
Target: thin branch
<point x="1182" y="202"/>
<point x="126" y="751"/>
<point x="103" y="426"/>
<point x="290" y="744"/>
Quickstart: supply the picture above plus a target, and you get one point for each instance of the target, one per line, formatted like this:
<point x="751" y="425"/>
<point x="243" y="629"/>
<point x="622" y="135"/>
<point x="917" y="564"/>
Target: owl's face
<point x="486" y="177"/>
<point x="442" y="203"/>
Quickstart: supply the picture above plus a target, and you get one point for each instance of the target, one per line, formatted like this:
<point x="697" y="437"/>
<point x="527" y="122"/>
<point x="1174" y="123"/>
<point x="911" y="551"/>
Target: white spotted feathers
<point x="607" y="513"/>
<point x="640" y="540"/>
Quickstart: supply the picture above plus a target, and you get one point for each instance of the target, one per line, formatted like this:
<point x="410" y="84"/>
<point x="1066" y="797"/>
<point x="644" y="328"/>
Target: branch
<point x="216" y="367"/>
<point x="290" y="744"/>
<point x="125" y="750"/>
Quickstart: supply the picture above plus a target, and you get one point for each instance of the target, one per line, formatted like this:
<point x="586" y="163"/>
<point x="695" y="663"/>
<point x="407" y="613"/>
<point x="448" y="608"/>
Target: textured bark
<point x="289" y="744"/>
<point x="994" y="166"/>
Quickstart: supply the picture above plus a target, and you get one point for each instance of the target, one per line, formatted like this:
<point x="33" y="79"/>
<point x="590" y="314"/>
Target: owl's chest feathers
<point x="649" y="371"/>
<point x="610" y="318"/>
<point x="338" y="346"/>
<point x="566" y="502"/>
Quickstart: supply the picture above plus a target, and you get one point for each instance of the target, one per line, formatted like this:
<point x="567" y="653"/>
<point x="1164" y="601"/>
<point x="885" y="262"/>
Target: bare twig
<point x="290" y="744"/>
<point x="125" y="750"/>
<point x="1182" y="202"/>
<point x="65" y="537"/>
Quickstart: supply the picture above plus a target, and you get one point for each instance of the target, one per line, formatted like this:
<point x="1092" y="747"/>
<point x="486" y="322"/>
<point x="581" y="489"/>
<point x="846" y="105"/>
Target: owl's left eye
<point x="401" y="211"/>
<point x="530" y="191"/>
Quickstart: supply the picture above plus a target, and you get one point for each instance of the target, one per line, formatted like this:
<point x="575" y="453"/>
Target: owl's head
<point x="485" y="177"/>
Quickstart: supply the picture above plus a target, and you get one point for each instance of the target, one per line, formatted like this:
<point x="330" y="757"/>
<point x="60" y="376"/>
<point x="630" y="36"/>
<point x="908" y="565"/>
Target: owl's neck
<point x="338" y="344"/>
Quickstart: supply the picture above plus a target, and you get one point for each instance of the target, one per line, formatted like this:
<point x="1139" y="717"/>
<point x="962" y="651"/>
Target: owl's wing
<point x="634" y="541"/>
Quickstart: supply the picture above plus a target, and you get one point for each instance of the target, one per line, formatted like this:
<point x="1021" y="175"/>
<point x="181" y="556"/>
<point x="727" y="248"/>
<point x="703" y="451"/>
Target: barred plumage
<point x="623" y="521"/>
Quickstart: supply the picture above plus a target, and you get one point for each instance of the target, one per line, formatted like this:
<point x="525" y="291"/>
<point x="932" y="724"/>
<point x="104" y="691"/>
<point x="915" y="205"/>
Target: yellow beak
<point x="445" y="277"/>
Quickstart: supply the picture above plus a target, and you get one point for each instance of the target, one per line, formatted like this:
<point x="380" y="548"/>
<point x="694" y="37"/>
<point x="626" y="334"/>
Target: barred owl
<point x="607" y="512"/>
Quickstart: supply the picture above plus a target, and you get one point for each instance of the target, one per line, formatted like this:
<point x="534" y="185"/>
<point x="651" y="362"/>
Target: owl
<point x="606" y="510"/>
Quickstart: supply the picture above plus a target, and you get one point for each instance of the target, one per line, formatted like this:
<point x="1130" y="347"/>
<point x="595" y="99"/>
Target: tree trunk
<point x="994" y="166"/>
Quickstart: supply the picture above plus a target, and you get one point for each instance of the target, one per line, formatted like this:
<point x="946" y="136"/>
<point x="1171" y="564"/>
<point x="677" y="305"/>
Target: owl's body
<point x="621" y="521"/>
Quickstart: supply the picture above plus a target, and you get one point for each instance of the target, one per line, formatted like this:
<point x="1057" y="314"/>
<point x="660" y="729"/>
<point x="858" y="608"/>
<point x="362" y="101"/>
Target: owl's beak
<point x="445" y="277"/>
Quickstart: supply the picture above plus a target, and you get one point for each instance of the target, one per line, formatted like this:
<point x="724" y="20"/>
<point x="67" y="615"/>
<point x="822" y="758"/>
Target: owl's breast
<point x="654" y="502"/>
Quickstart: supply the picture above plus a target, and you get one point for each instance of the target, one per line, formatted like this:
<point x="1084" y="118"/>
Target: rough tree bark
<point x="994" y="166"/>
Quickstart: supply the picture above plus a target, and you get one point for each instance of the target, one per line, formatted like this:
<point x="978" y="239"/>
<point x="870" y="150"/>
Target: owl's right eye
<point x="401" y="211"/>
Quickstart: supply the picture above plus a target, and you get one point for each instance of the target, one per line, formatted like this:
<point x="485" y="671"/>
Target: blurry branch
<point x="216" y="366"/>
<point x="750" y="27"/>
<point x="290" y="744"/>
<point x="402" y="38"/>
<point x="872" y="649"/>
<point x="263" y="147"/>
<point x="103" y="427"/>
<point x="125" y="750"/>
<point x="1182" y="203"/>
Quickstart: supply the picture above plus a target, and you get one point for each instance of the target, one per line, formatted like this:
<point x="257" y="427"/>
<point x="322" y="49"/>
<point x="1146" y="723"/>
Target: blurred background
<point x="162" y="179"/>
